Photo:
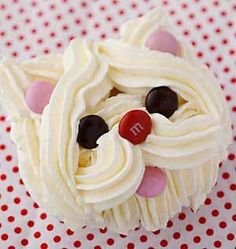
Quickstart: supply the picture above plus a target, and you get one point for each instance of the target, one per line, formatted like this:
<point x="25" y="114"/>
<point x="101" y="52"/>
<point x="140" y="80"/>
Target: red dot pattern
<point x="39" y="27"/>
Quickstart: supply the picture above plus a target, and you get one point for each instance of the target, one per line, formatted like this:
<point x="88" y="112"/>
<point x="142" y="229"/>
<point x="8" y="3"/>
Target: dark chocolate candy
<point x="91" y="127"/>
<point x="162" y="100"/>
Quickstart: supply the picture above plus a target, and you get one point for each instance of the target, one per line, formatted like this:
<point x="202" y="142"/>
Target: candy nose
<point x="135" y="126"/>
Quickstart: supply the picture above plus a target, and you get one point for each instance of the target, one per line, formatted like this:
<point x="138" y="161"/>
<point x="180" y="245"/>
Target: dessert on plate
<point x="118" y="133"/>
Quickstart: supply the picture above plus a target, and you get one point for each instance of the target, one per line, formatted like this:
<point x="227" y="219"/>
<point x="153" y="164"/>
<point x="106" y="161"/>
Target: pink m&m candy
<point x="163" y="41"/>
<point x="38" y="95"/>
<point x="153" y="183"/>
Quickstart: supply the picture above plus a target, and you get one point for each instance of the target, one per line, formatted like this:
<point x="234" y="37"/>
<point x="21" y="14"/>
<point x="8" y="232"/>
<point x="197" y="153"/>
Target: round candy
<point x="91" y="127"/>
<point x="153" y="183"/>
<point x="38" y="95"/>
<point x="163" y="41"/>
<point x="135" y="126"/>
<point x="162" y="100"/>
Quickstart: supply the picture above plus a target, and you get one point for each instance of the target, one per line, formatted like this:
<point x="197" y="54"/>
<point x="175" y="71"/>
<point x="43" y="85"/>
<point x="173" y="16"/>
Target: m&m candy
<point x="153" y="183"/>
<point x="38" y="95"/>
<point x="135" y="126"/>
<point x="163" y="41"/>
<point x="91" y="127"/>
<point x="162" y="100"/>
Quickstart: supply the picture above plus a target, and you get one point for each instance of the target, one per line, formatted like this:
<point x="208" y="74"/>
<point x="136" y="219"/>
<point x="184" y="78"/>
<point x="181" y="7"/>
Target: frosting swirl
<point x="199" y="129"/>
<point x="97" y="187"/>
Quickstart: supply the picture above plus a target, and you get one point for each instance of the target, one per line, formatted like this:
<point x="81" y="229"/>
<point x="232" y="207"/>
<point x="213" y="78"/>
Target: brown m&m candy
<point x="162" y="100"/>
<point x="91" y="127"/>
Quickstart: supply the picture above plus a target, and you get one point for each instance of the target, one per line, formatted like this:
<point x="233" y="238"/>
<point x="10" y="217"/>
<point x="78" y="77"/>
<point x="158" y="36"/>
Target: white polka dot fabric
<point x="30" y="28"/>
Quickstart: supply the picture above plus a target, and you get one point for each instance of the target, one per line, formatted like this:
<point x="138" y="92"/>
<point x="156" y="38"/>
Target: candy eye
<point x="91" y="127"/>
<point x="162" y="100"/>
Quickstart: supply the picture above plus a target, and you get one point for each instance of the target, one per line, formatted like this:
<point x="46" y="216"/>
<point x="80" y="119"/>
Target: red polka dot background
<point x="30" y="28"/>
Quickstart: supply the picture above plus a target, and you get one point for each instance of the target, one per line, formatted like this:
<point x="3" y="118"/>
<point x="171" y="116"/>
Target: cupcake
<point x="119" y="133"/>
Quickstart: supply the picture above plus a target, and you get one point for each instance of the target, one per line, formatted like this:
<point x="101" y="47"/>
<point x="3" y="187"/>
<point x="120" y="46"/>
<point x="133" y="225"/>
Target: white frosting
<point x="114" y="176"/>
<point x="136" y="32"/>
<point x="201" y="127"/>
<point x="188" y="146"/>
<point x="15" y="78"/>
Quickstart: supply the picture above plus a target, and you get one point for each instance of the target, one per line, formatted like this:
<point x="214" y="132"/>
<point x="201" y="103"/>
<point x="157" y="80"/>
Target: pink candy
<point x="153" y="183"/>
<point x="163" y="41"/>
<point x="38" y="95"/>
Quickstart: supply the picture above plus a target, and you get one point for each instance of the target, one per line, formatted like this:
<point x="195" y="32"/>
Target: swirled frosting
<point x="98" y="186"/>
